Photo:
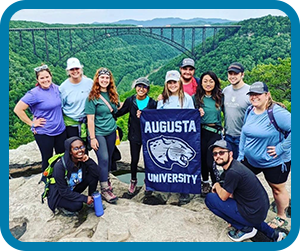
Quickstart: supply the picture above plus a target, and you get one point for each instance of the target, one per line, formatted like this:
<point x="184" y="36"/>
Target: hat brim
<point x="188" y="65"/>
<point x="234" y="70"/>
<point x="248" y="93"/>
<point x="75" y="66"/>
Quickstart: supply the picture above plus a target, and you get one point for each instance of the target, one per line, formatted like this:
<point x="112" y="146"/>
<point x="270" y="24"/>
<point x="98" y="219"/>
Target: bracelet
<point x="32" y="125"/>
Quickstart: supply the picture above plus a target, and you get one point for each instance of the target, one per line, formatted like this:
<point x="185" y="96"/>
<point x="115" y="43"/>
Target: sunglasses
<point x="221" y="153"/>
<point x="142" y="86"/>
<point x="40" y="68"/>
<point x="79" y="148"/>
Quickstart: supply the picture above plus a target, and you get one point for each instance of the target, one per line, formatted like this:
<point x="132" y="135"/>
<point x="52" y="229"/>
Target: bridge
<point x="175" y="36"/>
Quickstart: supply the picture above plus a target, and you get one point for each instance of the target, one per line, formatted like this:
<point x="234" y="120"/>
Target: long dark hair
<point x="216" y="92"/>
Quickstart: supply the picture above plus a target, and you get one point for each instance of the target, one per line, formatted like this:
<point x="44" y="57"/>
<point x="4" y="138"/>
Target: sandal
<point x="278" y="222"/>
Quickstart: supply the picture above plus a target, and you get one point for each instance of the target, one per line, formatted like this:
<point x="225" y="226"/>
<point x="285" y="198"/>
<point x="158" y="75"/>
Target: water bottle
<point x="98" y="204"/>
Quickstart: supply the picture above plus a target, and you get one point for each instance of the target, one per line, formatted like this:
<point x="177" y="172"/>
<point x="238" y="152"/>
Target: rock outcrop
<point x="127" y="221"/>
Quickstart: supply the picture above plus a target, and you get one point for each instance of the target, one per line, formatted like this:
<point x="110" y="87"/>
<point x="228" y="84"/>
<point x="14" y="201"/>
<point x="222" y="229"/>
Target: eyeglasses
<point x="79" y="148"/>
<point x="142" y="86"/>
<point x="221" y="153"/>
<point x="40" y="68"/>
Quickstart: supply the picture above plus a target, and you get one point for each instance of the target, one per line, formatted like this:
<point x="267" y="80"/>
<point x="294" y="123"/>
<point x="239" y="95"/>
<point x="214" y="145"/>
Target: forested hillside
<point x="263" y="45"/>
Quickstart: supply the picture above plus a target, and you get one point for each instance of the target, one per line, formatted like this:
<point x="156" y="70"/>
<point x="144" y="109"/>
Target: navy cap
<point x="236" y="67"/>
<point x="221" y="143"/>
<point x="258" y="87"/>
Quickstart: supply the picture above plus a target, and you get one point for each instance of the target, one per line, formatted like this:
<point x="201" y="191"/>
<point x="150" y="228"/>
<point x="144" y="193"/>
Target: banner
<point x="171" y="148"/>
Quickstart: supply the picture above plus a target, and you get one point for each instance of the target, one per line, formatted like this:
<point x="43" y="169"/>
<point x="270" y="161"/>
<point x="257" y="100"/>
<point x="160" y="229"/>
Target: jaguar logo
<point x="167" y="151"/>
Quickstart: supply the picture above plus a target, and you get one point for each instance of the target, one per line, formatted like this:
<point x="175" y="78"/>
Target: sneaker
<point x="278" y="236"/>
<point x="184" y="198"/>
<point x="132" y="186"/>
<point x="239" y="235"/>
<point x="205" y="189"/>
<point x="108" y="195"/>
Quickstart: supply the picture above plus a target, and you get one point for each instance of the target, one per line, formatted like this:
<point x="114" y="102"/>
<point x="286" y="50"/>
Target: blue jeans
<point x="228" y="211"/>
<point x="234" y="142"/>
<point x="104" y="154"/>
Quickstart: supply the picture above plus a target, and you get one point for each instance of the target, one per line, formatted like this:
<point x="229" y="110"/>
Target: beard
<point x="223" y="163"/>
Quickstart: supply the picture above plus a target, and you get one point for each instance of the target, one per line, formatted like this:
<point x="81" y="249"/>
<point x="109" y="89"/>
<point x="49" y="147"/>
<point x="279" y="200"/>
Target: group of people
<point x="247" y="145"/>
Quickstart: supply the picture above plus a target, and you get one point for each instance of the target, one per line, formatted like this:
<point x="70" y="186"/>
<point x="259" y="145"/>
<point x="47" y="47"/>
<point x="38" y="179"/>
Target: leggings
<point x="46" y="144"/>
<point x="207" y="139"/>
<point x="135" y="149"/>
<point x="90" y="181"/>
<point x="104" y="154"/>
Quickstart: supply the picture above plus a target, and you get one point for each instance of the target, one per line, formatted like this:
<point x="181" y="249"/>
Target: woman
<point x="73" y="173"/>
<point x="173" y="97"/>
<point x="134" y="105"/>
<point x="45" y="104"/>
<point x="263" y="149"/>
<point x="74" y="92"/>
<point x="102" y="103"/>
<point x="208" y="99"/>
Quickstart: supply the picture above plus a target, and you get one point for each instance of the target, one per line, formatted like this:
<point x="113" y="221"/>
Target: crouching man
<point x="242" y="201"/>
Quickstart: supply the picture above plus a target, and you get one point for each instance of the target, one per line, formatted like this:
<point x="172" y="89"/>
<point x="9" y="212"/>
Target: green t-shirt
<point x="105" y="123"/>
<point x="212" y="114"/>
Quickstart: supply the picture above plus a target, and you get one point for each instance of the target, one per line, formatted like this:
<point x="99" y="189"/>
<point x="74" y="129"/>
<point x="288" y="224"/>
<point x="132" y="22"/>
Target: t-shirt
<point x="105" y="123"/>
<point x="142" y="104"/>
<point x="174" y="103"/>
<point x="75" y="179"/>
<point x="191" y="87"/>
<point x="46" y="103"/>
<point x="73" y="97"/>
<point x="236" y="102"/>
<point x="212" y="114"/>
<point x="251" y="197"/>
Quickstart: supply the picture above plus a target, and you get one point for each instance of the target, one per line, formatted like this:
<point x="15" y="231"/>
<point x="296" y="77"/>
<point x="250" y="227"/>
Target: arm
<point x="221" y="192"/>
<point x="124" y="109"/>
<point x="19" y="110"/>
<point x="91" y="128"/>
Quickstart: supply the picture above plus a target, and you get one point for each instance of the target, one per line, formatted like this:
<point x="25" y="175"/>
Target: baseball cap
<point x="73" y="63"/>
<point x="221" y="143"/>
<point x="258" y="87"/>
<point x="236" y="67"/>
<point x="143" y="81"/>
<point x="172" y="75"/>
<point x="188" y="62"/>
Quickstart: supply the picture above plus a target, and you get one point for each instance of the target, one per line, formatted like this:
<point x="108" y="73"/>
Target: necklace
<point x="208" y="96"/>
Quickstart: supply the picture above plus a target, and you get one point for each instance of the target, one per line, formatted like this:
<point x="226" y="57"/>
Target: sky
<point x="70" y="16"/>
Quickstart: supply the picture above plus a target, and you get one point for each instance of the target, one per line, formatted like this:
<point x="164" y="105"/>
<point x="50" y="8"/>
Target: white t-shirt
<point x="174" y="103"/>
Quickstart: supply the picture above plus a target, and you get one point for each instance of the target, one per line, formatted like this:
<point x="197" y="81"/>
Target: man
<point x="235" y="104"/>
<point x="242" y="201"/>
<point x="187" y="71"/>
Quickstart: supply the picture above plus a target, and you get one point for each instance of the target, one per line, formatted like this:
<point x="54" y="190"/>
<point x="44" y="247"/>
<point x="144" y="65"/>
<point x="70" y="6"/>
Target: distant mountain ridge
<point x="171" y="21"/>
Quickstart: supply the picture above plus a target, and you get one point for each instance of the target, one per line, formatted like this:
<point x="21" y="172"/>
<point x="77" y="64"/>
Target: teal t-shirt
<point x="212" y="114"/>
<point x="105" y="123"/>
<point x="142" y="104"/>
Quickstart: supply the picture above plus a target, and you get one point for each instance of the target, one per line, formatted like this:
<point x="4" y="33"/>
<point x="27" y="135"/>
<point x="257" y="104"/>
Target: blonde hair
<point x="166" y="93"/>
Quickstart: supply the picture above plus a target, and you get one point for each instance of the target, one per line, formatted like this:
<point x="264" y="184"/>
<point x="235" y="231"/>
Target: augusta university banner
<point x="171" y="148"/>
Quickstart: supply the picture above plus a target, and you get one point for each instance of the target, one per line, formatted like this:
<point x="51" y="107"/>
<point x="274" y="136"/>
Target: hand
<point x="160" y="97"/>
<point x="39" y="122"/>
<point x="214" y="187"/>
<point x="272" y="151"/>
<point x="202" y="112"/>
<point x="138" y="113"/>
<point x="85" y="158"/>
<point x="94" y="144"/>
<point x="90" y="200"/>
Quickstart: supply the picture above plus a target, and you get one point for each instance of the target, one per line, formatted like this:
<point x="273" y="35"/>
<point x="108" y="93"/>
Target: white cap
<point x="73" y="63"/>
<point x="172" y="75"/>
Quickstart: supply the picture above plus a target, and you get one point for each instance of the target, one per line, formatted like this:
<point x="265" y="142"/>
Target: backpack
<point x="48" y="173"/>
<point x="272" y="119"/>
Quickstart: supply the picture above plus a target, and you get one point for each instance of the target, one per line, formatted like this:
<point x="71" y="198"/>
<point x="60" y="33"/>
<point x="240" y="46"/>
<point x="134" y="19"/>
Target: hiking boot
<point x="132" y="186"/>
<point x="205" y="189"/>
<point x="239" y="235"/>
<point x="109" y="184"/>
<point x="108" y="195"/>
<point x="184" y="198"/>
<point x="278" y="236"/>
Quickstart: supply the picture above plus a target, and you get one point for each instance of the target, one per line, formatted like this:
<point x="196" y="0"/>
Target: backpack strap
<point x="105" y="102"/>
<point x="273" y="121"/>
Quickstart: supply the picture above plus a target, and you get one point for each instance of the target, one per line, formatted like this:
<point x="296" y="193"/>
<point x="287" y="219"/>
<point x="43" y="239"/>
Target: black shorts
<point x="274" y="175"/>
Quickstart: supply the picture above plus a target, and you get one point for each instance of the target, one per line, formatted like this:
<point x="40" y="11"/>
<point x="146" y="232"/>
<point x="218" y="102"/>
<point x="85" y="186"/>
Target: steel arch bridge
<point x="174" y="36"/>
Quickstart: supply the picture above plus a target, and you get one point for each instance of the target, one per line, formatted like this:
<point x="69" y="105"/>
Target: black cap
<point x="258" y="87"/>
<point x="236" y="67"/>
<point x="221" y="143"/>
